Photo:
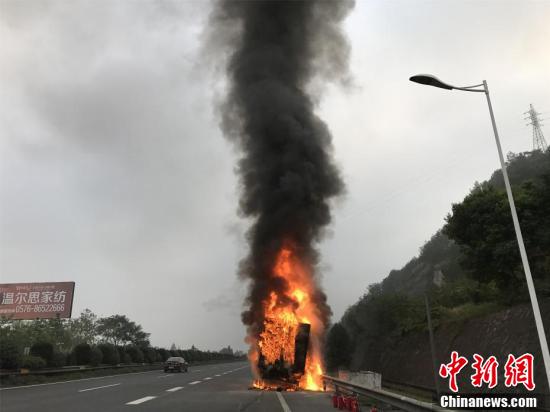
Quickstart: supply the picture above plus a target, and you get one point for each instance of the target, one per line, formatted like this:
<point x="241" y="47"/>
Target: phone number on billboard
<point x="40" y="308"/>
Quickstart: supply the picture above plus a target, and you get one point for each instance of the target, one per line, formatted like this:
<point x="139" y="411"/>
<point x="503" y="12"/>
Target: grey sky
<point x="114" y="173"/>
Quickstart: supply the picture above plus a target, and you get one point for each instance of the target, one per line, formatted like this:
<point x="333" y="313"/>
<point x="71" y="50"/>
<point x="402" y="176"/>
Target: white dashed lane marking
<point x="141" y="400"/>
<point x="177" y="388"/>
<point x="98" y="387"/>
<point x="207" y="379"/>
<point x="195" y="382"/>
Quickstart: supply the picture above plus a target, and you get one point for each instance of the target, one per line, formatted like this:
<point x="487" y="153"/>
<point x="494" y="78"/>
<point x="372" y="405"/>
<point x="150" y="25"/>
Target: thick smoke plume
<point x="287" y="173"/>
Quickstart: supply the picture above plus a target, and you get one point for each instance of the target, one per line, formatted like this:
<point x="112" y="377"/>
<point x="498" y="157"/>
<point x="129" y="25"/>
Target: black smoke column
<point x="287" y="173"/>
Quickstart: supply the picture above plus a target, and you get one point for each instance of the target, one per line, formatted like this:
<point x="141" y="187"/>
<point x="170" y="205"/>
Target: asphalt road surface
<point x="209" y="388"/>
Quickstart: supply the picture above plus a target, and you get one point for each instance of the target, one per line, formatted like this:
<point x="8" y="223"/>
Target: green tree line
<point x="86" y="340"/>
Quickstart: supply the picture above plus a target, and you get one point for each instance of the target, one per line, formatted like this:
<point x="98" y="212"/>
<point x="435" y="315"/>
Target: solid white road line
<point x="177" y="388"/>
<point x="166" y="376"/>
<point x="284" y="405"/>
<point x="141" y="400"/>
<point x="195" y="382"/>
<point x="98" y="387"/>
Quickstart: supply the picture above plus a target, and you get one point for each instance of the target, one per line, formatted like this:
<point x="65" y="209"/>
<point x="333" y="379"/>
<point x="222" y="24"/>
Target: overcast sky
<point x="114" y="172"/>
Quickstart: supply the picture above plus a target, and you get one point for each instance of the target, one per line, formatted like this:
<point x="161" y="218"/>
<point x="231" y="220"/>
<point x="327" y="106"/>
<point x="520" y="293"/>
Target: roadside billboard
<point x="36" y="300"/>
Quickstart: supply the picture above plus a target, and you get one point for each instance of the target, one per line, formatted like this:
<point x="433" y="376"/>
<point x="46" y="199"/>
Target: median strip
<point x="141" y="400"/>
<point x="98" y="387"/>
<point x="177" y="388"/>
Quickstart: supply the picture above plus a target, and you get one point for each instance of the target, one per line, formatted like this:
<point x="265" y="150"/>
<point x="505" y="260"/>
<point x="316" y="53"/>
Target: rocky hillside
<point x="408" y="359"/>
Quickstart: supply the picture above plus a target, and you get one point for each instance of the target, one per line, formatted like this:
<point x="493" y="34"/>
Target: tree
<point x="32" y="362"/>
<point x="82" y="354"/>
<point x="482" y="226"/>
<point x="164" y="354"/>
<point x="150" y="355"/>
<point x="338" y="347"/>
<point x="135" y="354"/>
<point x="227" y="351"/>
<point x="84" y="328"/>
<point x="110" y="353"/>
<point x="27" y="332"/>
<point x="10" y="357"/>
<point x="96" y="356"/>
<point x="522" y="167"/>
<point x="119" y="330"/>
<point x="44" y="350"/>
<point x="60" y="335"/>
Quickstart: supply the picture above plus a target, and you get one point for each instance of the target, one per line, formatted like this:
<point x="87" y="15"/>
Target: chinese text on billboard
<point x="36" y="300"/>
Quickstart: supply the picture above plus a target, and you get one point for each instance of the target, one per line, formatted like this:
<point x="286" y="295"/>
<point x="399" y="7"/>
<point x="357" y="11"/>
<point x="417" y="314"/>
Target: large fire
<point x="283" y="313"/>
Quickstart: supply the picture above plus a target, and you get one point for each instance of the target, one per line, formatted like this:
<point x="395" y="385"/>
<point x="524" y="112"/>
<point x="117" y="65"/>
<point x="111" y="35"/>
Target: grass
<point x="470" y="310"/>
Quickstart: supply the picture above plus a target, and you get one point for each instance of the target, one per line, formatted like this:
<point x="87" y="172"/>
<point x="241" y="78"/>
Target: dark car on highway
<point x="175" y="364"/>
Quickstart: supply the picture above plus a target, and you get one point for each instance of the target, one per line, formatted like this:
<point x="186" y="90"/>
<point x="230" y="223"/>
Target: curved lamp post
<point x="430" y="80"/>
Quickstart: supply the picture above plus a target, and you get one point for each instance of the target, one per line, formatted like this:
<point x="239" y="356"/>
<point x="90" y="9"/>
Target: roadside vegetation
<point x="86" y="341"/>
<point x="471" y="267"/>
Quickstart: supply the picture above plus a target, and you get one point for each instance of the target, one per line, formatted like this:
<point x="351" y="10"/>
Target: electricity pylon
<point x="539" y="143"/>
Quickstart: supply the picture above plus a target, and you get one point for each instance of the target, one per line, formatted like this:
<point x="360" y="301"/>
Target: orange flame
<point x="283" y="313"/>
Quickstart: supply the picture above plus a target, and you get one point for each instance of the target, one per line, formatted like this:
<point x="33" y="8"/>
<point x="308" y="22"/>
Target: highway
<point x="209" y="388"/>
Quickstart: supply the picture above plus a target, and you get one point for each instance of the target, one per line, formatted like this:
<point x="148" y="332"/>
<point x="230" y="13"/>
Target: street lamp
<point x="430" y="80"/>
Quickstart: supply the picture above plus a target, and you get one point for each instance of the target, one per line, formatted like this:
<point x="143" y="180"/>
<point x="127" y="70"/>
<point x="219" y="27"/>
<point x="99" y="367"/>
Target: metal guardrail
<point x="543" y="399"/>
<point x="426" y="389"/>
<point x="403" y="402"/>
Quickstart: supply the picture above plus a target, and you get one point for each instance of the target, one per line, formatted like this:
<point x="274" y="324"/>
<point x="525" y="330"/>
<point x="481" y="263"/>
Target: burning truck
<point x="287" y="353"/>
<point x="281" y="374"/>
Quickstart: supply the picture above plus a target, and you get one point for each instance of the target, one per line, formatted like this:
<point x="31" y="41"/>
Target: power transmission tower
<point x="538" y="138"/>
